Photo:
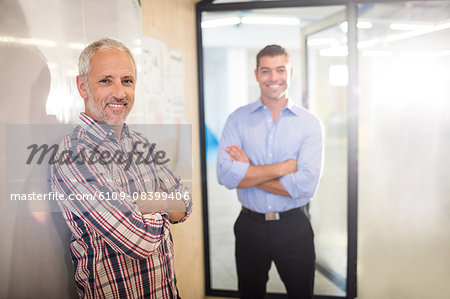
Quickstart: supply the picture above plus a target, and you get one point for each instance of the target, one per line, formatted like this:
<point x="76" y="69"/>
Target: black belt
<point x="270" y="216"/>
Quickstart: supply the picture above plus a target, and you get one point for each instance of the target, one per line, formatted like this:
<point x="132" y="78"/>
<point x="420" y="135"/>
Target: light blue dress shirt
<point x="296" y="134"/>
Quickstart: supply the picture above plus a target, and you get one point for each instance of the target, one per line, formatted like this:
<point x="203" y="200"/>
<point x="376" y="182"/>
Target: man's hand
<point x="176" y="216"/>
<point x="148" y="206"/>
<point x="288" y="166"/>
<point x="176" y="209"/>
<point x="236" y="153"/>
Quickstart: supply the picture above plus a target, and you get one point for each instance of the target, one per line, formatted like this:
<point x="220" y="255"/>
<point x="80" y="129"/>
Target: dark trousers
<point x="289" y="242"/>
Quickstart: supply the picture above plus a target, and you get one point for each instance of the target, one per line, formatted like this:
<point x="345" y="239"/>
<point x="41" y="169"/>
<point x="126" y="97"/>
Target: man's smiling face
<point x="273" y="75"/>
<point x="109" y="94"/>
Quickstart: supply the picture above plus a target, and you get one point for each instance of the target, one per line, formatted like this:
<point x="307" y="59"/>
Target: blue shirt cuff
<point x="236" y="174"/>
<point x="288" y="181"/>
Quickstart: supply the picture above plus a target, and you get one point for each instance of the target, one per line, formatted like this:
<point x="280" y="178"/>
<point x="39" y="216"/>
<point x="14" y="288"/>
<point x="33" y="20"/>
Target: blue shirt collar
<point x="290" y="106"/>
<point x="256" y="105"/>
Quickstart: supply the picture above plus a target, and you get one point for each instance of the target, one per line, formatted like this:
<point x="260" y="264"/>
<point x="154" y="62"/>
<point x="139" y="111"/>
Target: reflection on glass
<point x="404" y="63"/>
<point x="231" y="41"/>
<point x="327" y="97"/>
<point x="39" y="47"/>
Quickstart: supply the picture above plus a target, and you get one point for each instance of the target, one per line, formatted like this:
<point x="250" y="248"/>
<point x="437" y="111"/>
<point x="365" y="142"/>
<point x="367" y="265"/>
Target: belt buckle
<point x="272" y="216"/>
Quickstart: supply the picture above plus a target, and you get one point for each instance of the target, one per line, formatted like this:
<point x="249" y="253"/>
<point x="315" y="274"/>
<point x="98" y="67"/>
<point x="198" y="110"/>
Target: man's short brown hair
<point x="271" y="50"/>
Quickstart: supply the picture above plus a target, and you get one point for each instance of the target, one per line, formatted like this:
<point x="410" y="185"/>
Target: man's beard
<point x="97" y="111"/>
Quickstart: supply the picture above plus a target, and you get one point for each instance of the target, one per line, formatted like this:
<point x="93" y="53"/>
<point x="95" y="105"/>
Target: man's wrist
<point x="283" y="169"/>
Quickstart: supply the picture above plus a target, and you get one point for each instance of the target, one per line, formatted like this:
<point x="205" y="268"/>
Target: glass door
<point x="230" y="35"/>
<point x="326" y="79"/>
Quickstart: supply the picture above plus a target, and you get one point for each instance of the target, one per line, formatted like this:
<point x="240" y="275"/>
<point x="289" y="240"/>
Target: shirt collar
<point x="99" y="129"/>
<point x="256" y="105"/>
<point x="290" y="106"/>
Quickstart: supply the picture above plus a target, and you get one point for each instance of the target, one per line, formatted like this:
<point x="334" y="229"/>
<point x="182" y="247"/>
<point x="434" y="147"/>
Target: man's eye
<point x="104" y="81"/>
<point x="127" y="81"/>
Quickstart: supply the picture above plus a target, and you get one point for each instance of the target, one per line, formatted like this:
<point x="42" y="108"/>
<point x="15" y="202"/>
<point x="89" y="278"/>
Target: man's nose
<point x="118" y="91"/>
<point x="273" y="76"/>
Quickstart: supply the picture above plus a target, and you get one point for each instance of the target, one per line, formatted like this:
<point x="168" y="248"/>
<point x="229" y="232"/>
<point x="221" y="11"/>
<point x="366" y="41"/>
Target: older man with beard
<point x="121" y="245"/>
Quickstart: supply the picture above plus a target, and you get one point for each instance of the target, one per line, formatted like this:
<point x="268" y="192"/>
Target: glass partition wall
<point x="377" y="75"/>
<point x="230" y="40"/>
<point x="404" y="148"/>
<point x="327" y="80"/>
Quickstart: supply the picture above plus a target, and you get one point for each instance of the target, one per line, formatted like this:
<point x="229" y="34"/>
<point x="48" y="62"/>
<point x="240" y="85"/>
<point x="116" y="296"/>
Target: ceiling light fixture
<point x="27" y="41"/>
<point x="409" y="26"/>
<point x="261" y="20"/>
<point x="359" y="25"/>
<point x="334" y="52"/>
<point x="221" y="22"/>
<point x="376" y="53"/>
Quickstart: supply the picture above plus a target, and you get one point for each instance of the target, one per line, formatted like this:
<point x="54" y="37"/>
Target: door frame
<point x="351" y="15"/>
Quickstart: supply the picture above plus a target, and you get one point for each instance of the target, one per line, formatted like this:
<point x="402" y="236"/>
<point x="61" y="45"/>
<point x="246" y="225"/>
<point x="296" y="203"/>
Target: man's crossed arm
<point x="265" y="177"/>
<point x="175" y="208"/>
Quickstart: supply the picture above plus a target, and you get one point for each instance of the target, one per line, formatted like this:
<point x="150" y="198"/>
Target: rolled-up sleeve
<point x="171" y="183"/>
<point x="230" y="173"/>
<point x="304" y="182"/>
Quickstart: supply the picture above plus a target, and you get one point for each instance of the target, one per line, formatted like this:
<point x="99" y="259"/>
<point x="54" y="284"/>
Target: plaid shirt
<point x="117" y="252"/>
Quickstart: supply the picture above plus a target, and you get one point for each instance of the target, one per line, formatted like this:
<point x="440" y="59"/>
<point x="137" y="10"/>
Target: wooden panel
<point x="173" y="22"/>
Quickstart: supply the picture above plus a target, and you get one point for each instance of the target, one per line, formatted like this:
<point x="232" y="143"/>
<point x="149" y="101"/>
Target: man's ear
<point x="82" y="87"/>
<point x="256" y="74"/>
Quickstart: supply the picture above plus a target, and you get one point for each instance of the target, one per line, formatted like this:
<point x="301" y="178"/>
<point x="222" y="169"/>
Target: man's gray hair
<point x="102" y="44"/>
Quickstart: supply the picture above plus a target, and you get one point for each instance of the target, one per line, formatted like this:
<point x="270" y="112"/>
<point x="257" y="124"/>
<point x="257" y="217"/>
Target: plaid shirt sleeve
<point x="118" y="222"/>
<point x="171" y="183"/>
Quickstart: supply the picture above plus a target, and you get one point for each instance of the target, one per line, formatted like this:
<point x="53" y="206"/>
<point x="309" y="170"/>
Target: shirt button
<point x="270" y="136"/>
<point x="270" y="155"/>
<point x="269" y="120"/>
<point x="270" y="207"/>
<point x="264" y="107"/>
